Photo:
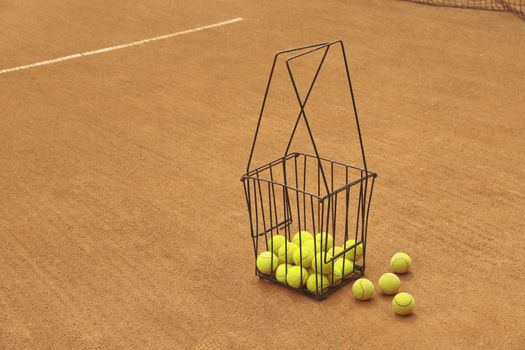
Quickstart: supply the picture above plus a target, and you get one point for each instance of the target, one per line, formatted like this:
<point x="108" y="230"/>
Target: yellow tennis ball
<point x="356" y="252"/>
<point x="317" y="283"/>
<point x="363" y="289"/>
<point x="311" y="244"/>
<point x="345" y="266"/>
<point x="403" y="304"/>
<point x="267" y="262"/>
<point x="389" y="283"/>
<point x="303" y="256"/>
<point x="281" y="272"/>
<point x="285" y="252"/>
<point x="275" y="242"/>
<point x="319" y="266"/>
<point x="400" y="262"/>
<point x="310" y="271"/>
<point x="342" y="268"/>
<point x="324" y="240"/>
<point x="334" y="252"/>
<point x="297" y="276"/>
<point x="302" y="236"/>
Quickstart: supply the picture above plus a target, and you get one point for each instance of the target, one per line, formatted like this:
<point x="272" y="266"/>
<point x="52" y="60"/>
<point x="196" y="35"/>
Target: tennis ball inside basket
<point x="389" y="283"/>
<point x="356" y="252"/>
<point x="285" y="252"/>
<point x="303" y="256"/>
<point x="403" y="304"/>
<point x="342" y="268"/>
<point x="317" y="283"/>
<point x="363" y="289"/>
<point x="302" y="236"/>
<point x="275" y="242"/>
<point x="266" y="261"/>
<point x="297" y="275"/>
<point x="281" y="272"/>
<point x="400" y="262"/>
<point x="334" y="251"/>
<point x="319" y="266"/>
<point x="324" y="240"/>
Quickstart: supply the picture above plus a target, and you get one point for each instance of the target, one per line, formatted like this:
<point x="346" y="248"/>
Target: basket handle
<point x="302" y="104"/>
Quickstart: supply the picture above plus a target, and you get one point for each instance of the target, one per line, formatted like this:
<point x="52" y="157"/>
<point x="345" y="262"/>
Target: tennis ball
<point x="317" y="283"/>
<point x="297" y="275"/>
<point x="345" y="267"/>
<point x="267" y="262"/>
<point x="333" y="252"/>
<point x="319" y="266"/>
<point x="400" y="262"/>
<point x="340" y="272"/>
<point x="313" y="245"/>
<point x="363" y="289"/>
<point x="302" y="236"/>
<point x="275" y="242"/>
<point x="303" y="256"/>
<point x="358" y="250"/>
<point x="310" y="244"/>
<point x="285" y="252"/>
<point x="389" y="283"/>
<point x="281" y="272"/>
<point x="324" y="240"/>
<point x="310" y="271"/>
<point x="403" y="304"/>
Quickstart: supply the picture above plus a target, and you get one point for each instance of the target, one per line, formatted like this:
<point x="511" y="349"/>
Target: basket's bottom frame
<point x="357" y="273"/>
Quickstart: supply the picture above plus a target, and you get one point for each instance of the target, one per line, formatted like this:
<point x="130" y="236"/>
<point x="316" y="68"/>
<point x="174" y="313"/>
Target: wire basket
<point x="301" y="195"/>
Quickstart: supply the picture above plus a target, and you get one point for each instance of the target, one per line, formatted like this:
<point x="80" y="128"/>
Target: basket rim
<point x="253" y="175"/>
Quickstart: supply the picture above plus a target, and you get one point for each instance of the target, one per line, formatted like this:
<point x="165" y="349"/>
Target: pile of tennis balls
<point x="297" y="264"/>
<point x="389" y="283"/>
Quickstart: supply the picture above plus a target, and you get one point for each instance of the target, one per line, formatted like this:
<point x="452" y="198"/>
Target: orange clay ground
<point x="122" y="218"/>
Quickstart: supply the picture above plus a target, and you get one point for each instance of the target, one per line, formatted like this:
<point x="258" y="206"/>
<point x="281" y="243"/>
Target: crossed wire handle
<point x="302" y="102"/>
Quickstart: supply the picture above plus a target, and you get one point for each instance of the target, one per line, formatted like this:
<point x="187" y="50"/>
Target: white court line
<point x="117" y="47"/>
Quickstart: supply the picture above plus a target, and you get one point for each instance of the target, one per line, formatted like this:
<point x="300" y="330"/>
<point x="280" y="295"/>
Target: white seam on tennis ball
<point x="403" y="259"/>
<point x="398" y="304"/>
<point x="362" y="289"/>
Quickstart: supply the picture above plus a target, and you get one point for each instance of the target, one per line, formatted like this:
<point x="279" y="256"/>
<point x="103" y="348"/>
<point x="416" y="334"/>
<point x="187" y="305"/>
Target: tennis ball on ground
<point x="403" y="304"/>
<point x="317" y="283"/>
<point x="303" y="256"/>
<point x="319" y="266"/>
<point x="363" y="289"/>
<point x="400" y="262"/>
<point x="358" y="250"/>
<point x="324" y="240"/>
<point x="294" y="276"/>
<point x="275" y="242"/>
<point x="285" y="252"/>
<point x="302" y="236"/>
<point x="281" y="272"/>
<point x="389" y="283"/>
<point x="266" y="261"/>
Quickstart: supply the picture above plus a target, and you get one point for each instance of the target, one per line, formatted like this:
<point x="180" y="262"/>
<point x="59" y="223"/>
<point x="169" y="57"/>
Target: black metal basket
<point x="301" y="192"/>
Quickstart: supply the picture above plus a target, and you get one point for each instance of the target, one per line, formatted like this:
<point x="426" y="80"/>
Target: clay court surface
<point x="123" y="222"/>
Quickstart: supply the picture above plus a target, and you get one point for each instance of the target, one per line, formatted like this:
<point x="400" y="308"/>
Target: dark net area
<point x="515" y="6"/>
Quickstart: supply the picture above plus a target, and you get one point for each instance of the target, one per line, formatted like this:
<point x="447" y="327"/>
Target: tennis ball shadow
<point x="410" y="318"/>
<point x="366" y="304"/>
